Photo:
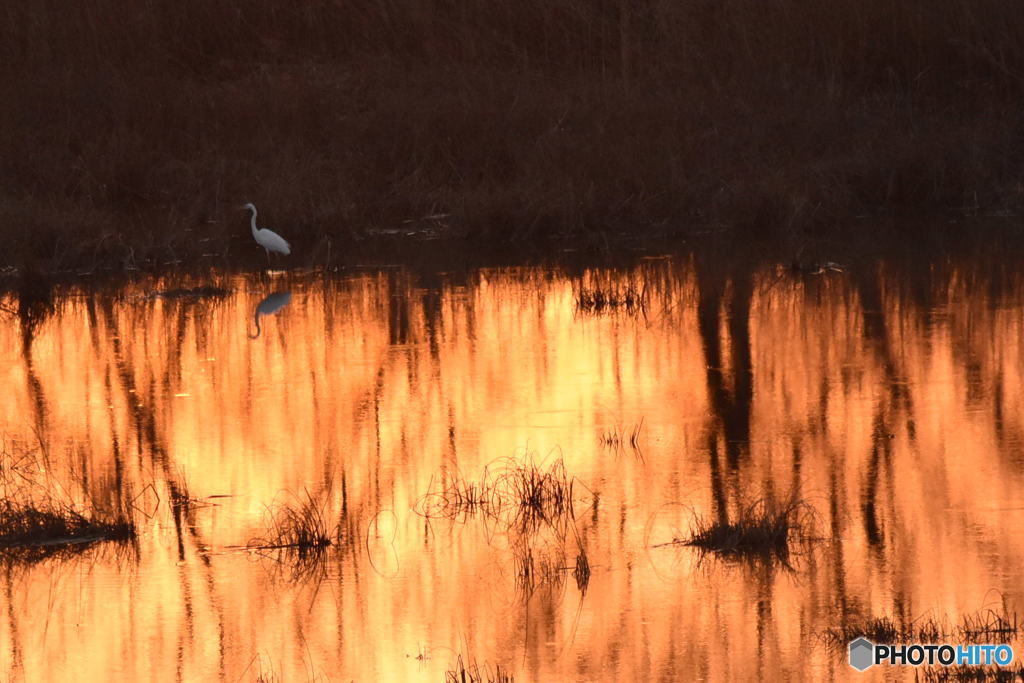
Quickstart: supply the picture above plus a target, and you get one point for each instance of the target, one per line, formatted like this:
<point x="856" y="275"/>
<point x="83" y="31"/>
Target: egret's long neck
<point x="252" y="221"/>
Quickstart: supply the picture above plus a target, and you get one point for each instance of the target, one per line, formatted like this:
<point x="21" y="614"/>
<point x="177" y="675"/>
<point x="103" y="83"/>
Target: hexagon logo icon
<point x="862" y="653"/>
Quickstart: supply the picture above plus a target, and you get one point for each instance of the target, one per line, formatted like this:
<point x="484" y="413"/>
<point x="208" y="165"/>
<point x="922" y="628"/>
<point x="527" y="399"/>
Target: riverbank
<point x="131" y="142"/>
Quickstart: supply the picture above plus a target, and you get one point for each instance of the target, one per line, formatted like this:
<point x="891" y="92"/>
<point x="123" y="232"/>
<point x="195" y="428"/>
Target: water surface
<point x="889" y="401"/>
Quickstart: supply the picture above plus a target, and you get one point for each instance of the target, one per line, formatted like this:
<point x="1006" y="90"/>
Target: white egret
<point x="268" y="239"/>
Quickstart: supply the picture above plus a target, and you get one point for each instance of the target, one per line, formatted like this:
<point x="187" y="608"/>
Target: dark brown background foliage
<point x="130" y="131"/>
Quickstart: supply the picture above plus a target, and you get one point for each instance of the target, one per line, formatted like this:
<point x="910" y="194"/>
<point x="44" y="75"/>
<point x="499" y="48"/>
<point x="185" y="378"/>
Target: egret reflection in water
<point x="269" y="306"/>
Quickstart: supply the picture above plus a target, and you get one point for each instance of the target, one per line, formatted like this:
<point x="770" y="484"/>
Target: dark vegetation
<point x="597" y="301"/>
<point x="581" y="572"/>
<point x="986" y="626"/>
<point x="192" y="293"/>
<point x="131" y="131"/>
<point x="937" y="674"/>
<point x="38" y="528"/>
<point x="300" y="525"/>
<point x="518" y="495"/>
<point x="300" y="534"/>
<point x="763" y="529"/>
<point x="618" y="439"/>
<point x="298" y="539"/>
<point x="543" y="563"/>
<point x="607" y="292"/>
<point x="474" y="674"/>
<point x="39" y="519"/>
<point x="181" y="498"/>
<point x="530" y="504"/>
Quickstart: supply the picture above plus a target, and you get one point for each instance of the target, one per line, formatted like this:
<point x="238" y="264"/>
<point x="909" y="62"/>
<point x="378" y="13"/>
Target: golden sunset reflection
<point x="893" y="407"/>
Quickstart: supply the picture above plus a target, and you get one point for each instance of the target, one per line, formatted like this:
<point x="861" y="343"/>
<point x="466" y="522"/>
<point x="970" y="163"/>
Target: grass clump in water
<point x="51" y="523"/>
<point x="598" y="300"/>
<point x="458" y="498"/>
<point x="530" y="503"/>
<point x="876" y="629"/>
<point x="936" y="674"/>
<point x="181" y="497"/>
<point x="472" y="673"/>
<point x="540" y="496"/>
<point x="39" y="518"/>
<point x="519" y="495"/>
<point x="762" y="528"/>
<point x="537" y="567"/>
<point x="581" y="572"/>
<point x="301" y="526"/>
<point x="298" y="538"/>
<point x="537" y="564"/>
<point x="618" y="439"/>
<point x="989" y="626"/>
<point x="985" y="626"/>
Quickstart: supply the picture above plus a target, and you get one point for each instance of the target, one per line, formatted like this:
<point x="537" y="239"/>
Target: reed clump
<point x="763" y="528"/>
<point x="618" y="439"/>
<point x="533" y="569"/>
<point x="473" y="673"/>
<point x="519" y="495"/>
<point x="39" y="518"/>
<point x="530" y="504"/>
<point x="962" y="673"/>
<point x="884" y="629"/>
<point x="299" y="536"/>
<point x="987" y="625"/>
<point x="129" y="133"/>
<point x="51" y="523"/>
<point x="180" y="496"/>
<point x="300" y="525"/>
<point x="581" y="572"/>
<point x="540" y="496"/>
<point x="457" y="498"/>
<point x="596" y="301"/>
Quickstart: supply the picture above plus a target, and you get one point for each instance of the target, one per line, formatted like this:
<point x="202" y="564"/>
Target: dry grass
<point x="298" y="538"/>
<point x="597" y="301"/>
<point x="935" y="674"/>
<point x="456" y="498"/>
<point x="300" y="525"/>
<point x="989" y="626"/>
<point x="529" y="504"/>
<point x="540" y="496"/>
<point x="52" y="523"/>
<point x="534" y="568"/>
<point x="581" y="572"/>
<point x="180" y="495"/>
<point x="763" y="528"/>
<point x="472" y="673"/>
<point x="876" y="629"/>
<point x="540" y="563"/>
<point x="617" y="439"/>
<point x="981" y="627"/>
<point x="40" y="518"/>
<point x="129" y="133"/>
<point x="521" y="496"/>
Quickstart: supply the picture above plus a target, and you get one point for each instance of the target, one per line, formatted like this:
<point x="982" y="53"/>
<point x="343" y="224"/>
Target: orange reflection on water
<point x="888" y="402"/>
